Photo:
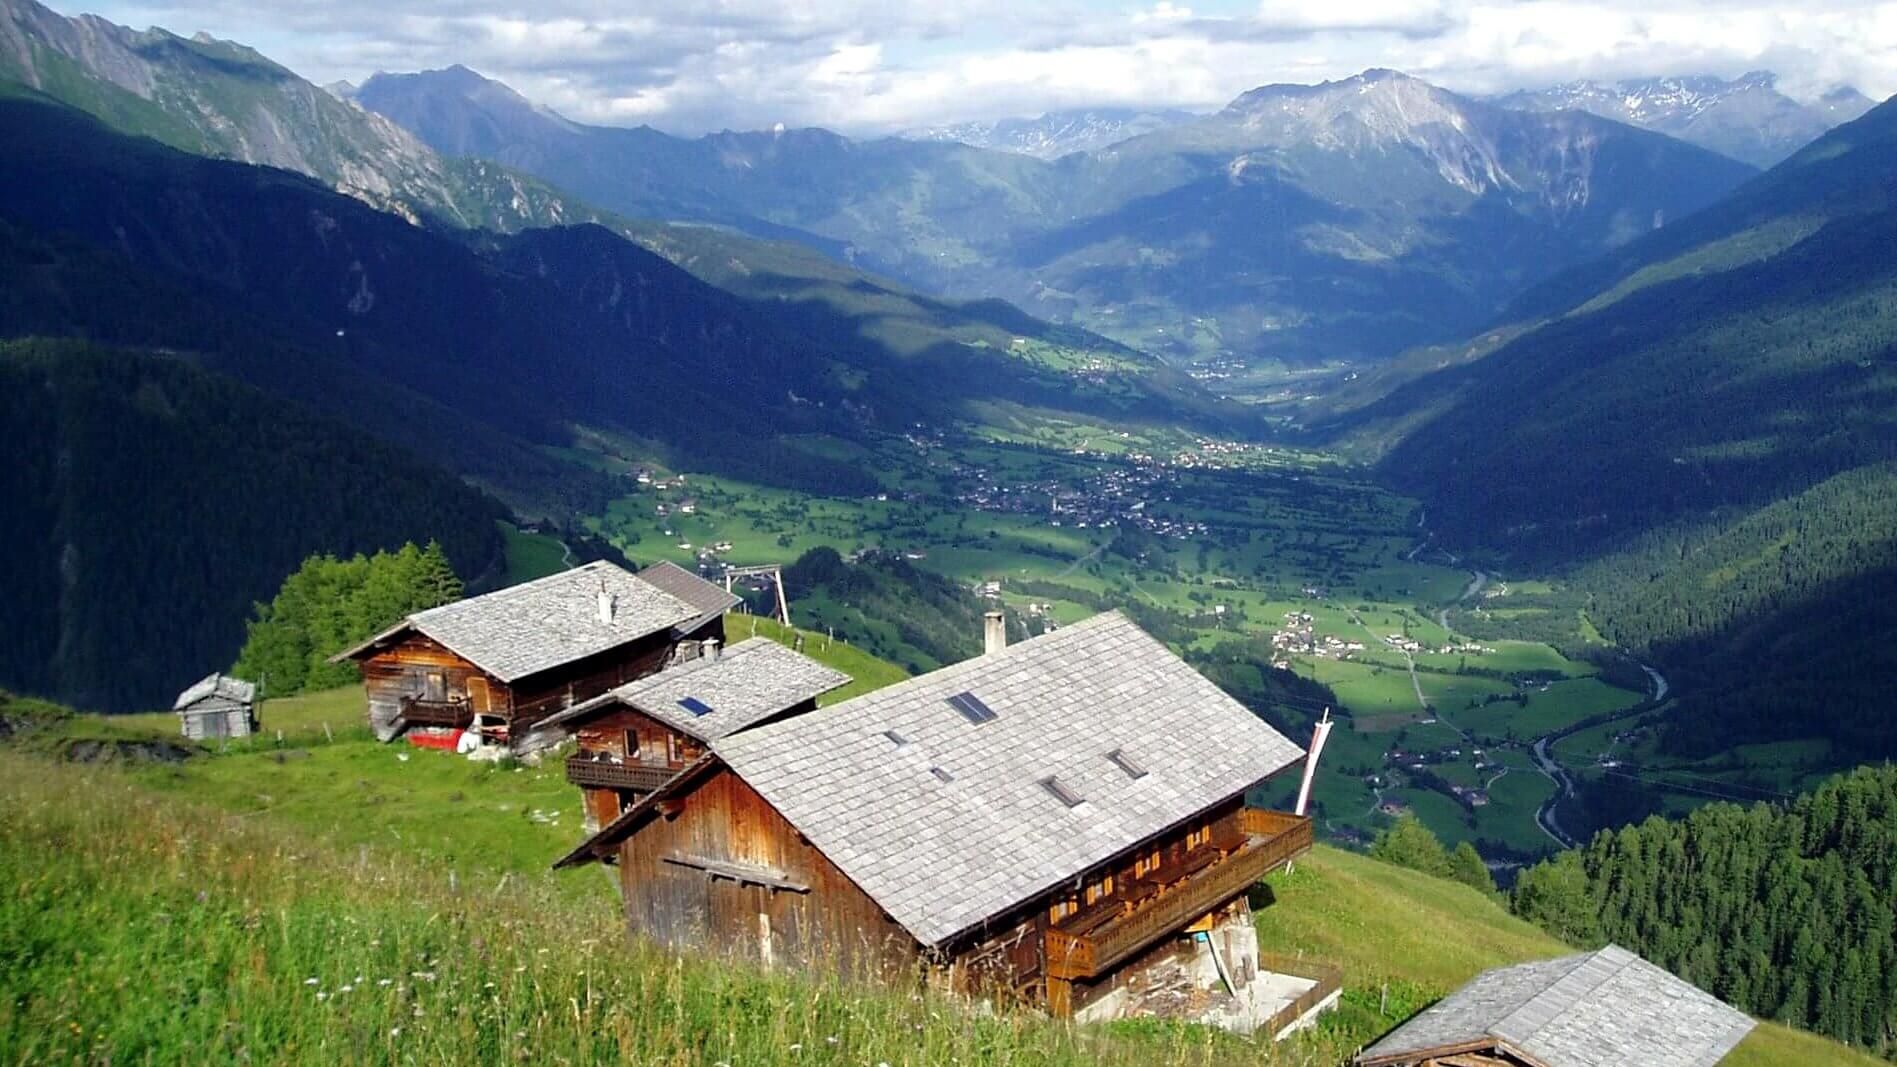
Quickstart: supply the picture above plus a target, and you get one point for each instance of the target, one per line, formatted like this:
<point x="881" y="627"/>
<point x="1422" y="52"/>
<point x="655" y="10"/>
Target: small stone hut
<point x="217" y="707"/>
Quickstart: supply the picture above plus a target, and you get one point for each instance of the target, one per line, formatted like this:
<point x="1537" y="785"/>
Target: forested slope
<point x="149" y="504"/>
<point x="1702" y="438"/>
<point x="1790" y="914"/>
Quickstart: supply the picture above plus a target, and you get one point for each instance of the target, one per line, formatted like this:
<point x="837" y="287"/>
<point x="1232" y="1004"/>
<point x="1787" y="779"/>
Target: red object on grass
<point x="446" y="741"/>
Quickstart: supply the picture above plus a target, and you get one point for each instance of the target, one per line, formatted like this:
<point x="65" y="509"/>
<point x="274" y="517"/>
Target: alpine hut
<point x="632" y="739"/>
<point x="1596" y="1009"/>
<point x="506" y="660"/>
<point x="219" y="706"/>
<point x="1063" y="820"/>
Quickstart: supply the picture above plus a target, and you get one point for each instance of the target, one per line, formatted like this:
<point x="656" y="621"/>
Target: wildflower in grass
<point x="311" y="981"/>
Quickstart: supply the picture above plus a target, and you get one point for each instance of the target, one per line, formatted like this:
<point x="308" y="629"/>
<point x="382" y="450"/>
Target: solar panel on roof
<point x="972" y="708"/>
<point x="695" y="706"/>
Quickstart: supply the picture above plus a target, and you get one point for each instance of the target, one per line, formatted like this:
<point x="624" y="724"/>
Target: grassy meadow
<point x="177" y="925"/>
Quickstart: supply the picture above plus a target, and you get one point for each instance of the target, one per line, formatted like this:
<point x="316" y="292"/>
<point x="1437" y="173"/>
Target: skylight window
<point x="695" y="706"/>
<point x="895" y="738"/>
<point x="1127" y="763"/>
<point x="972" y="708"/>
<point x="1062" y="791"/>
<point x="942" y="774"/>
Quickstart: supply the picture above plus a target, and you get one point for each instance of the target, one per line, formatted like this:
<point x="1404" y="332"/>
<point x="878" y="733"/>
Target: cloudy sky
<point x="864" y="66"/>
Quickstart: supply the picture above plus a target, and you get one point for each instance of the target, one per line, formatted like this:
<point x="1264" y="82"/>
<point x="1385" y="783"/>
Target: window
<point x="942" y="774"/>
<point x="895" y="738"/>
<point x="972" y="708"/>
<point x="1062" y="791"/>
<point x="632" y="745"/>
<point x="696" y="706"/>
<point x="1127" y="763"/>
<point x="435" y="686"/>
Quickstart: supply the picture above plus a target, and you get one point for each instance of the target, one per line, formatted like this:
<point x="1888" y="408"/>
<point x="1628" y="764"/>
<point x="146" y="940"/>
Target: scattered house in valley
<point x="218" y="706"/>
<point x="1061" y="821"/>
<point x="633" y="739"/>
<point x="1597" y="1009"/>
<point x="504" y="661"/>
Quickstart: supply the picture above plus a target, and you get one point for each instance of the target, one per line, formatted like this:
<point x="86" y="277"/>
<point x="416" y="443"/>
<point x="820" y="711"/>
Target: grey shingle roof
<point x="525" y="629"/>
<point x="858" y="780"/>
<point x="1597" y="1009"/>
<point x="219" y="684"/>
<point x="748" y="683"/>
<point x="709" y="598"/>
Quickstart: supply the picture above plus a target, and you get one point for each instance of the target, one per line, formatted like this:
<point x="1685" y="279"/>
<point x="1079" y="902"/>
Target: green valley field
<point x="1220" y="547"/>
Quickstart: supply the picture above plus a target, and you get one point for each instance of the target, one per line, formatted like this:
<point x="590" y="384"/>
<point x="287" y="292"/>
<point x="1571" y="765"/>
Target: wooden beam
<point x="738" y="872"/>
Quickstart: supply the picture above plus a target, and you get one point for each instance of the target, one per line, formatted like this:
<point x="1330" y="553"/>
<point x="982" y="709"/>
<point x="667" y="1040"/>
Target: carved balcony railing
<point x="604" y="774"/>
<point x="1270" y="840"/>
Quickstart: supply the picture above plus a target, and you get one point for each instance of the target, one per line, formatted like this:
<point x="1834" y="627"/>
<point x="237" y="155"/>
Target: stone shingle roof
<point x="748" y="683"/>
<point x="709" y="598"/>
<point x="946" y="822"/>
<point x="219" y="684"/>
<point x="535" y="626"/>
<point x="1597" y="1009"/>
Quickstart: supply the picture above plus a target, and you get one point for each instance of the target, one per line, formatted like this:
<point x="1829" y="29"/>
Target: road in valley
<point x="1551" y="768"/>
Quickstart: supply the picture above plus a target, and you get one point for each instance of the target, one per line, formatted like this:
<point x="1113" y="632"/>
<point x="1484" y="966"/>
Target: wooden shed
<point x="219" y="706"/>
<point x="1062" y="821"/>
<point x="1597" y="1009"/>
<point x="507" y="660"/>
<point x="632" y="739"/>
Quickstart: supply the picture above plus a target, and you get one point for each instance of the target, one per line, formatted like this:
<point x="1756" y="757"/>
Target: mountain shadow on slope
<point x="151" y="503"/>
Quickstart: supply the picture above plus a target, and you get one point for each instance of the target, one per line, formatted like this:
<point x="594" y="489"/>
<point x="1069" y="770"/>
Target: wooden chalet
<point x="1597" y="1009"/>
<point x="1063" y="820"/>
<point x="633" y="739"/>
<point x="218" y="706"/>
<point x="507" y="660"/>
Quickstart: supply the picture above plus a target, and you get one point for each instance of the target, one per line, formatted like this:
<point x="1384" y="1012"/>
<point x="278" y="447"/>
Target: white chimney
<point x="1318" y="735"/>
<point x="994" y="632"/>
<point x="606" y="604"/>
<point x="708" y="648"/>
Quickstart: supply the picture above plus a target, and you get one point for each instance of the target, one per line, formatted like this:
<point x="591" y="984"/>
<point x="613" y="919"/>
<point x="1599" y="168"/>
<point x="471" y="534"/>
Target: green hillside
<point x="150" y="504"/>
<point x="1698" y="437"/>
<point x="425" y="925"/>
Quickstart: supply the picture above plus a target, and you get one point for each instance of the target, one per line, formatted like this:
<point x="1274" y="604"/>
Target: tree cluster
<point x="330" y="604"/>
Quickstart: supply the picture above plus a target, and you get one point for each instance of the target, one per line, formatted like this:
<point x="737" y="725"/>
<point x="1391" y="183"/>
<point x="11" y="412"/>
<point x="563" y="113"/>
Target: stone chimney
<point x="606" y="602"/>
<point x="994" y="632"/>
<point x="709" y="647"/>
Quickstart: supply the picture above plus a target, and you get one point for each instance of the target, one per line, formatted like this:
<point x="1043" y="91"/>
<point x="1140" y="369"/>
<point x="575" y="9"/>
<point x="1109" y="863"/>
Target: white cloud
<point x="864" y="66"/>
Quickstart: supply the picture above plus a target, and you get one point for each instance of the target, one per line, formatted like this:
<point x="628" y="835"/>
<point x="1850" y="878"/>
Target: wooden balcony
<point x="1090" y="943"/>
<point x="603" y="774"/>
<point x="454" y="714"/>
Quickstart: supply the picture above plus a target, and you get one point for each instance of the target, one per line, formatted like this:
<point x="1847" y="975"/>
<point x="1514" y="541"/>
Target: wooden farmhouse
<point x="507" y="660"/>
<point x="633" y="739"/>
<point x="1599" y="1009"/>
<point x="1063" y="821"/>
<point x="216" y="707"/>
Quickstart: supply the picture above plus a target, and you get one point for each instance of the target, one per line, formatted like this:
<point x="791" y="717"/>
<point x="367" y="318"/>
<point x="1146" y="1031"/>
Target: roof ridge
<point x="1040" y="641"/>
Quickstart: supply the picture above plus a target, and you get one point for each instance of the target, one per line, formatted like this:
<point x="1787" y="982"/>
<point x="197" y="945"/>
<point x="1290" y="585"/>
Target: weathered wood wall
<point x="832" y="925"/>
<point x="402" y="671"/>
<point x="216" y="717"/>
